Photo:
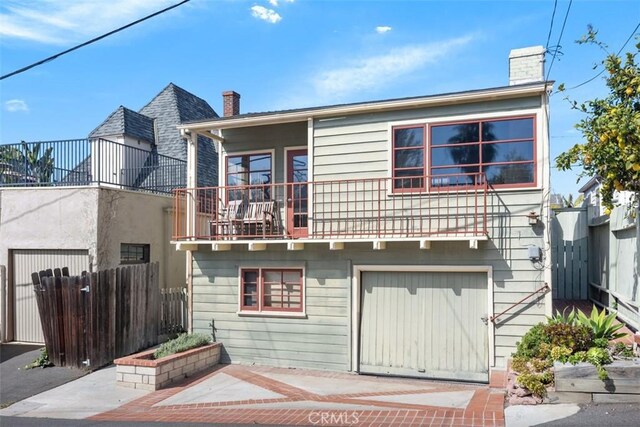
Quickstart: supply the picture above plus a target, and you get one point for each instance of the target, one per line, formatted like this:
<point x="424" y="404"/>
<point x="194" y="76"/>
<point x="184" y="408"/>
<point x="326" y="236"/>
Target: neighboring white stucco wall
<point x="48" y="218"/>
<point x="136" y="217"/>
<point x="92" y="218"/>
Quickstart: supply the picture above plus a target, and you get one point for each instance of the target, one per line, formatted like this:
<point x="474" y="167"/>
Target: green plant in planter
<point x="529" y="347"/>
<point x="573" y="337"/>
<point x="182" y="343"/>
<point x="601" y="324"/>
<point x="561" y="353"/>
<point x="599" y="357"/>
<point x="623" y="350"/>
<point x="565" y="318"/>
<point x="535" y="382"/>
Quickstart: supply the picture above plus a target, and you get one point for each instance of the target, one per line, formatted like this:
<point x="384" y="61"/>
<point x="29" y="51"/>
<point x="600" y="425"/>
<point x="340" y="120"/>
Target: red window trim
<point x="423" y="147"/>
<point x="534" y="162"/>
<point x="260" y="290"/>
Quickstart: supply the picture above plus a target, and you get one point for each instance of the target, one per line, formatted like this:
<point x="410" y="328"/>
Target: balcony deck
<point x="378" y="210"/>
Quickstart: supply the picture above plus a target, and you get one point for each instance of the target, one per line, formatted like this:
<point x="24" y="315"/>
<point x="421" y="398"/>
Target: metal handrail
<point x="544" y="289"/>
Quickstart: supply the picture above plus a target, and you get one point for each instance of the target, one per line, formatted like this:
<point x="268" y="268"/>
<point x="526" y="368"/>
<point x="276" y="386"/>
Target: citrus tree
<point x="611" y="127"/>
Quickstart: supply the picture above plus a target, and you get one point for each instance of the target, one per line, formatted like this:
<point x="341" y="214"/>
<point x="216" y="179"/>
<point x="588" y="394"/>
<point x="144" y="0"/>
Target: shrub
<point x="601" y="324"/>
<point x="519" y="364"/>
<point x="530" y="345"/>
<point x="600" y="342"/>
<point x="561" y="353"/>
<point x="575" y="338"/>
<point x="577" y="357"/>
<point x="535" y="383"/>
<point x="182" y="343"/>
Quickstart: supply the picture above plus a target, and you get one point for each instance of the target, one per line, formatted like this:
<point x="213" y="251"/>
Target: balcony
<point x="82" y="162"/>
<point x="453" y="207"/>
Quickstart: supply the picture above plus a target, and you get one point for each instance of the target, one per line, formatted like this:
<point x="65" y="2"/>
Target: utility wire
<point x="558" y="47"/>
<point x="553" y="15"/>
<point x="51" y="58"/>
<point x="602" y="71"/>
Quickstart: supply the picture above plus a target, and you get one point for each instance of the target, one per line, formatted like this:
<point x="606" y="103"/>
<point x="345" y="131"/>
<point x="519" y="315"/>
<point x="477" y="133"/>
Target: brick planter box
<point x="141" y="371"/>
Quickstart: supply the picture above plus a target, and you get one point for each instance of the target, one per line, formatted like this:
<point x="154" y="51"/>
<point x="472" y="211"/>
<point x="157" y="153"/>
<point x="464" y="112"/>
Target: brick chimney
<point x="230" y="103"/>
<point x="526" y="65"/>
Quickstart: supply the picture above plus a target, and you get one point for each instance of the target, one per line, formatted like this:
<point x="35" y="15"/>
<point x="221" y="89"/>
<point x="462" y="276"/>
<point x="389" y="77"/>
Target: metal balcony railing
<point x="89" y="161"/>
<point x="376" y="208"/>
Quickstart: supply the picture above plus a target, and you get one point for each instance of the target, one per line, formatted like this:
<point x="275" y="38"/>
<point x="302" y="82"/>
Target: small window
<point x="270" y="289"/>
<point x="134" y="253"/>
<point x="408" y="159"/>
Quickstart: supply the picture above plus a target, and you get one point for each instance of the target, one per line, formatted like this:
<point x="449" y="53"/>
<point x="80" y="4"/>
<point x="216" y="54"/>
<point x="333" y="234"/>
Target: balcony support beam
<point x="219" y="247"/>
<point x="473" y="243"/>
<point x="255" y="246"/>
<point x="425" y="244"/>
<point x="379" y="245"/>
<point x="295" y="246"/>
<point x="183" y="246"/>
<point x="336" y="246"/>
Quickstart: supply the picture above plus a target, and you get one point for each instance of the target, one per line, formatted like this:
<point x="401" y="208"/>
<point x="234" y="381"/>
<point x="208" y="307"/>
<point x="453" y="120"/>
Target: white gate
<point x="26" y="320"/>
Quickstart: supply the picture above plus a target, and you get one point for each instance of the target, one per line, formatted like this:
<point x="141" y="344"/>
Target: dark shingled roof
<point x="174" y="106"/>
<point x="156" y="122"/>
<point x="124" y="121"/>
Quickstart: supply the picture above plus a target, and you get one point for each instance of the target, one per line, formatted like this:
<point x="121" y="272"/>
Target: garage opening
<point x="424" y="324"/>
<point x="26" y="319"/>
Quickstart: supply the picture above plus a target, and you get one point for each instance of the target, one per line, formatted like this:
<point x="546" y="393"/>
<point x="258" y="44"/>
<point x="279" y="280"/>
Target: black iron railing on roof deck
<point x="90" y="161"/>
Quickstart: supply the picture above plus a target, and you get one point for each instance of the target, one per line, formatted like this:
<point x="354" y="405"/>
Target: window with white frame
<point x="271" y="290"/>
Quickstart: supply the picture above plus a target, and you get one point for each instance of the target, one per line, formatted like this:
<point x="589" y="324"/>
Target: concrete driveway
<point x="233" y="394"/>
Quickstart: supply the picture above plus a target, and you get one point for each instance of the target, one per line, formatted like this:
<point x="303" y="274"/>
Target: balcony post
<point x="192" y="184"/>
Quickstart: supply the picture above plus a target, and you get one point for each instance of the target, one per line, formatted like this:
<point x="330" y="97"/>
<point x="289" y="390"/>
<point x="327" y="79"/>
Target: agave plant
<point x="601" y="324"/>
<point x="570" y="318"/>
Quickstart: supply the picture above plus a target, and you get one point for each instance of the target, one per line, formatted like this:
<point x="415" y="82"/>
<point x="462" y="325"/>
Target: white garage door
<point x="425" y="324"/>
<point x="26" y="320"/>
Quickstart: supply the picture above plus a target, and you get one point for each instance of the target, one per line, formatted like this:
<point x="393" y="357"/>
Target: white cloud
<point x="273" y="3"/>
<point x="383" y="29"/>
<point x="67" y="21"/>
<point x="369" y="72"/>
<point x="16" y="105"/>
<point x="265" y="14"/>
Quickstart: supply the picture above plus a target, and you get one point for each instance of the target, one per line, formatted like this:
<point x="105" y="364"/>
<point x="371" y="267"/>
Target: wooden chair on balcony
<point x="239" y="218"/>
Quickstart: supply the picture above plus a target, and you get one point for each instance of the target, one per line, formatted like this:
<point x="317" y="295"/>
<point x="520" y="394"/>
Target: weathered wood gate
<point x="569" y="253"/>
<point x="90" y="320"/>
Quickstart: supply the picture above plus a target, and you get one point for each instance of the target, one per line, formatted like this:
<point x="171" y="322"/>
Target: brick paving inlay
<point x="380" y="402"/>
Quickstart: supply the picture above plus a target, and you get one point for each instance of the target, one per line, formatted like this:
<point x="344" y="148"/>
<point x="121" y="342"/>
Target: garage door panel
<point x="424" y="324"/>
<point x="26" y="319"/>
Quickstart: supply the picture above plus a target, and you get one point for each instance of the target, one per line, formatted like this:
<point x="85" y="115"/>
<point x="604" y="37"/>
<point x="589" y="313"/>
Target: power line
<point x="51" y="58"/>
<point x="558" y="46"/>
<point x="602" y="71"/>
<point x="553" y="15"/>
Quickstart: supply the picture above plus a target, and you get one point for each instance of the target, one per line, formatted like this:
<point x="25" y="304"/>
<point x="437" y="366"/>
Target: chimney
<point x="526" y="65"/>
<point x="230" y="103"/>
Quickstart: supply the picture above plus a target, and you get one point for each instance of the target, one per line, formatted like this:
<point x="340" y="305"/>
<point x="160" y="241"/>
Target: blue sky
<point x="286" y="53"/>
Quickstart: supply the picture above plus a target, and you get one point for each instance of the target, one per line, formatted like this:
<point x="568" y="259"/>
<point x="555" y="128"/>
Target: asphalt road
<point x="18" y="383"/>
<point x="609" y="414"/>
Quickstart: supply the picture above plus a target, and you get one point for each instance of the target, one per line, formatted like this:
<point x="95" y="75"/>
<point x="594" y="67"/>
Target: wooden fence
<point x="173" y="311"/>
<point x="569" y="254"/>
<point x="90" y="320"/>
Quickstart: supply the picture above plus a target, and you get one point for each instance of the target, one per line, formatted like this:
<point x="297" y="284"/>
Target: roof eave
<point x="377" y="106"/>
